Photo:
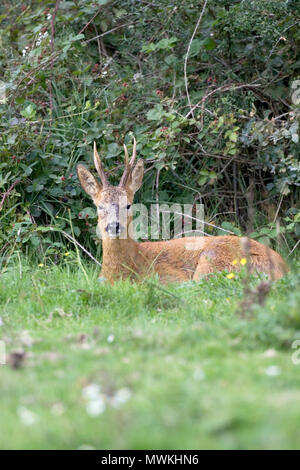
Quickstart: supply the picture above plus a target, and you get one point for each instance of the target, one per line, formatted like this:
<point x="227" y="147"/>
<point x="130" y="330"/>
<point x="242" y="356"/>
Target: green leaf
<point x="113" y="150"/>
<point x="233" y="136"/>
<point x="210" y="44"/>
<point x="147" y="48"/>
<point x="196" y="47"/>
<point x="29" y="112"/>
<point x="156" y="113"/>
<point x="166" y="43"/>
<point x="35" y="241"/>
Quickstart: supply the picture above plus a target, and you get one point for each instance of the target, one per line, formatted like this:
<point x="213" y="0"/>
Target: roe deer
<point x="179" y="259"/>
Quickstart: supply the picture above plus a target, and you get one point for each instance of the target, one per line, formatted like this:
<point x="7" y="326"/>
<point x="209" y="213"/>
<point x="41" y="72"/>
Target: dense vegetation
<point x="214" y="109"/>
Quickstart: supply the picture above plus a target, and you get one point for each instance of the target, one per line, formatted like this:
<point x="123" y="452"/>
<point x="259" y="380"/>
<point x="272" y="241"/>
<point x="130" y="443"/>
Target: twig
<point x="73" y="240"/>
<point x="7" y="193"/>
<point x="236" y="207"/>
<point x="52" y="51"/>
<point x="35" y="69"/>
<point x="294" y="248"/>
<point x="222" y="88"/>
<point x="108" y="32"/>
<point x="99" y="45"/>
<point x="281" y="37"/>
<point x="89" y="22"/>
<point x="187" y="55"/>
<point x="278" y="209"/>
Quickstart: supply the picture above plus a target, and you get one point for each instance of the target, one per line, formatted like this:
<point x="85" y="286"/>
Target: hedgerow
<point x="215" y="112"/>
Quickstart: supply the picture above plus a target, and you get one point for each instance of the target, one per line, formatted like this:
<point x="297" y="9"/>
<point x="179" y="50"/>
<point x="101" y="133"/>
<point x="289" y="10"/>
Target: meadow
<point x="145" y="366"/>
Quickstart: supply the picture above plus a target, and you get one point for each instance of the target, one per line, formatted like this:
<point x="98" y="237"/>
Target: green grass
<point x="192" y="372"/>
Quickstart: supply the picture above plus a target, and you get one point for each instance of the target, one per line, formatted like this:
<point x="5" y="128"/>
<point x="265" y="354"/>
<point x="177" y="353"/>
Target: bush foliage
<point x="215" y="111"/>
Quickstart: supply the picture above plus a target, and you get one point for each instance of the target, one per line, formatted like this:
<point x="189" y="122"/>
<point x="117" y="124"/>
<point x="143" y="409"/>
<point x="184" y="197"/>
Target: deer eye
<point x="128" y="206"/>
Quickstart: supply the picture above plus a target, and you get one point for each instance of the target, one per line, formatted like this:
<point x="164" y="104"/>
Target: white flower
<point x="137" y="76"/>
<point x="91" y="392"/>
<point x="41" y="37"/>
<point x="110" y="338"/>
<point x="95" y="400"/>
<point x="96" y="406"/>
<point x="27" y="417"/>
<point x="25" y="50"/>
<point x="49" y="16"/>
<point x="273" y="371"/>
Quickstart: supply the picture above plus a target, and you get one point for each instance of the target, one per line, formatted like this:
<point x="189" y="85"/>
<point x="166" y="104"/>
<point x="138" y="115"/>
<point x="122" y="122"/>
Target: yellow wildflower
<point x="243" y="261"/>
<point x="235" y="261"/>
<point x="230" y="276"/>
<point x="67" y="253"/>
<point x="41" y="265"/>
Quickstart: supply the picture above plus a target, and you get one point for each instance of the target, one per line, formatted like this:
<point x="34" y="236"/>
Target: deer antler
<point x="128" y="164"/>
<point x="99" y="167"/>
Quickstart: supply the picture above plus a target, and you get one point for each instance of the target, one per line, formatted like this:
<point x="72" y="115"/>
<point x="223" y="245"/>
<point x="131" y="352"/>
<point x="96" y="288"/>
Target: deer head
<point x="113" y="202"/>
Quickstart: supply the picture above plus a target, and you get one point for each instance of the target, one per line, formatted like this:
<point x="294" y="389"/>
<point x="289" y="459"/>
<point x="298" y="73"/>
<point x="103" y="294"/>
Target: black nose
<point x="114" y="227"/>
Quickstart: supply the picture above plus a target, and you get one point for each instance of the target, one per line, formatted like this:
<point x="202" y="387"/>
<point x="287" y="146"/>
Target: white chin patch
<point x="113" y="233"/>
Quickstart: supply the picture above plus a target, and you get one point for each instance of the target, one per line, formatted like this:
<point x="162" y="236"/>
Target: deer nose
<point x="113" y="227"/>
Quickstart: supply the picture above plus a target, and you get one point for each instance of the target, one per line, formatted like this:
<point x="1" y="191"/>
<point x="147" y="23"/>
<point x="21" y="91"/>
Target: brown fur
<point x="174" y="260"/>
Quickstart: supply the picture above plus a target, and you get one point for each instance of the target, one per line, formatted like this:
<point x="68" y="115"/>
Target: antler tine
<point x="126" y="155"/>
<point x="133" y="152"/>
<point x="99" y="167"/>
<point x="128" y="164"/>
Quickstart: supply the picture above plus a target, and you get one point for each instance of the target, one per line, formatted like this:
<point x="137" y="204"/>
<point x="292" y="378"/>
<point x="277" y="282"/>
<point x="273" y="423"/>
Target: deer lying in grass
<point x="179" y="259"/>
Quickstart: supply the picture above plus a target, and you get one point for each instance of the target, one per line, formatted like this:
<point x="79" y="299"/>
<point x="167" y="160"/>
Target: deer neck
<point x="121" y="258"/>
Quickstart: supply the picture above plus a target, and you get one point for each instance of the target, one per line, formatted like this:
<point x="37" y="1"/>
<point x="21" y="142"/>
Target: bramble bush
<point x="79" y="71"/>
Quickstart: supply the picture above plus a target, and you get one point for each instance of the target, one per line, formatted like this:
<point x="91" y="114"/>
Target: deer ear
<point x="87" y="181"/>
<point x="136" y="178"/>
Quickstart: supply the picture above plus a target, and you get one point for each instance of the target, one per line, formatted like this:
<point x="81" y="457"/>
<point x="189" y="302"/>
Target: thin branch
<point x="89" y="22"/>
<point x="7" y="193"/>
<point x="229" y="87"/>
<point x="281" y="38"/>
<point x="35" y="69"/>
<point x="187" y="55"/>
<point x="108" y="32"/>
<point x="294" y="248"/>
<point x="72" y="239"/>
<point x="278" y="209"/>
<point x="52" y="51"/>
